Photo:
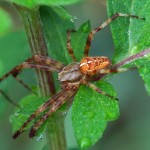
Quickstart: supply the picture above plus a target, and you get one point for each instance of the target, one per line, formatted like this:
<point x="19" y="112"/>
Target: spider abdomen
<point x="92" y="65"/>
<point x="70" y="73"/>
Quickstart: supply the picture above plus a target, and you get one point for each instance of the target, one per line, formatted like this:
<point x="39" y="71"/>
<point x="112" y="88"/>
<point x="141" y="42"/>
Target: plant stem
<point x="56" y="128"/>
<point x="32" y="24"/>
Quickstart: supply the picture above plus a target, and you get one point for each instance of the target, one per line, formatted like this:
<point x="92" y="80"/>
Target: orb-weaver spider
<point x="70" y="76"/>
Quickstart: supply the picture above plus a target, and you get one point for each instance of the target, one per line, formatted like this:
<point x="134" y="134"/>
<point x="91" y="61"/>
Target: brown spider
<point x="70" y="76"/>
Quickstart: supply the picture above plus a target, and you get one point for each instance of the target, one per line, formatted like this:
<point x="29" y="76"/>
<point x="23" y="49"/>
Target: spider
<point x="70" y="76"/>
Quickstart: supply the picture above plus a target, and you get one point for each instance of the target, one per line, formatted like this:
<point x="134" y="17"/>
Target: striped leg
<point x="36" y="61"/>
<point x="43" y="107"/>
<point x="91" y="35"/>
<point x="70" y="50"/>
<point x="46" y="61"/>
<point x="68" y="94"/>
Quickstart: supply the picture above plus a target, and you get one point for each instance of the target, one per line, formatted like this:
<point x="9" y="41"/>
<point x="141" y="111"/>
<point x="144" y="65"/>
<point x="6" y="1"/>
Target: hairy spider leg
<point x="41" y="108"/>
<point x="46" y="63"/>
<point x="17" y="70"/>
<point x="107" y="22"/>
<point x="95" y="88"/>
<point x="55" y="102"/>
<point x="68" y="94"/>
<point x="38" y="62"/>
<point x="69" y="48"/>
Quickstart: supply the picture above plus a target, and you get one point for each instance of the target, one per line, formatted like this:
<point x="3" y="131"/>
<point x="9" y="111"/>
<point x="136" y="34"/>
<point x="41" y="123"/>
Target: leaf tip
<point x="84" y="143"/>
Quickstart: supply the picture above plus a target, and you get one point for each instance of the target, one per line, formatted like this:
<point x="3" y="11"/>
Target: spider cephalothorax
<point x="70" y="76"/>
<point x="92" y="65"/>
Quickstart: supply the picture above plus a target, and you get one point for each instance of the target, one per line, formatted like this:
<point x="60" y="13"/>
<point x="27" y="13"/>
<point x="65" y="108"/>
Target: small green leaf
<point x="28" y="105"/>
<point x="34" y="3"/>
<point x="6" y="22"/>
<point x="90" y="113"/>
<point x="131" y="35"/>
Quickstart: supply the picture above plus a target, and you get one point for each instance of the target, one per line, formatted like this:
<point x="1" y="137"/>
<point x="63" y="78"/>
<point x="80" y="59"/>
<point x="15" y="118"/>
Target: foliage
<point x="34" y="3"/>
<point x="6" y="22"/>
<point x="91" y="112"/>
<point x="131" y="35"/>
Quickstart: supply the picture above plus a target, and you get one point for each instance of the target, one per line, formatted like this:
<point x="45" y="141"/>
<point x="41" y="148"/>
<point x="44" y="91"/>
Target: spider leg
<point x="41" y="108"/>
<point x="56" y="65"/>
<point x="9" y="99"/>
<point x="42" y="62"/>
<point x="69" y="48"/>
<point x="25" y="85"/>
<point x="99" y="90"/>
<point x="107" y="22"/>
<point x="56" y="103"/>
<point x="36" y="61"/>
<point x="115" y="70"/>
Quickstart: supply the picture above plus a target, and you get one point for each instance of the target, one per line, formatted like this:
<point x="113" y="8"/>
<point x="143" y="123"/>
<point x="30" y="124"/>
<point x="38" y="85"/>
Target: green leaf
<point x="34" y="3"/>
<point x="131" y="35"/>
<point x="90" y="113"/>
<point x="28" y="105"/>
<point x="56" y="22"/>
<point x="6" y="22"/>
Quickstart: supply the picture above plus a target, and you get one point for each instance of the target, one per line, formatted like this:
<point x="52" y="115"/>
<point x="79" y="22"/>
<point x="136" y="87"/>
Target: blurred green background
<point x="130" y="132"/>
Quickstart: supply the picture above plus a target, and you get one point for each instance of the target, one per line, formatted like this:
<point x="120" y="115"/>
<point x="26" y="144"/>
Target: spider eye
<point x="92" y="65"/>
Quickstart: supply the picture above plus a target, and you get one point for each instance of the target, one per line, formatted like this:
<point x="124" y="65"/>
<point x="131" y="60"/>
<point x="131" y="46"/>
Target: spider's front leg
<point x="38" y="62"/>
<point x="103" y="25"/>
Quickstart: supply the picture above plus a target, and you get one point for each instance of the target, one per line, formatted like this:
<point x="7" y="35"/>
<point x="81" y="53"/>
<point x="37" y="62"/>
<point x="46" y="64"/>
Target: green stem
<point x="32" y="24"/>
<point x="55" y="129"/>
